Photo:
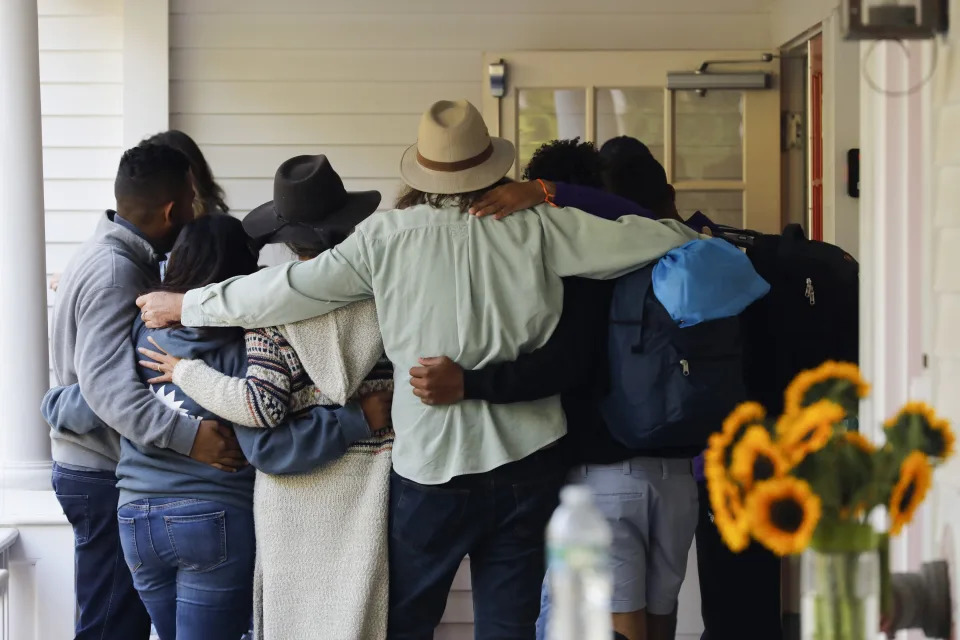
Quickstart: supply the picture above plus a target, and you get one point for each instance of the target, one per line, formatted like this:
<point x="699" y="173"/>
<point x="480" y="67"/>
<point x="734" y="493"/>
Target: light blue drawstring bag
<point x="706" y="280"/>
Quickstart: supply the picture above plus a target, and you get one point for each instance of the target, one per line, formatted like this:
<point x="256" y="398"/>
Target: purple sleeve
<point x="597" y="202"/>
<point x="698" y="468"/>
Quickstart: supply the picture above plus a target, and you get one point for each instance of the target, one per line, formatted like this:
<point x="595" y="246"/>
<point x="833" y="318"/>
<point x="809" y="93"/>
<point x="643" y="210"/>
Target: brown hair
<point x="412" y="197"/>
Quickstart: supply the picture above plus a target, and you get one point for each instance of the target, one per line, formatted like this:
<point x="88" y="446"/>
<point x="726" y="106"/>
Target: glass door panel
<point x="632" y="112"/>
<point x="722" y="207"/>
<point x="708" y="135"/>
<point x="548" y="114"/>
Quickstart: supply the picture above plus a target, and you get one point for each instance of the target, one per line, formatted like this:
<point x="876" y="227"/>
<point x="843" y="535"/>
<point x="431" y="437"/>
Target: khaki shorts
<point x="652" y="507"/>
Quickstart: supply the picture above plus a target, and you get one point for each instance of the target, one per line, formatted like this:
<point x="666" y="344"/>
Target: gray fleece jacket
<point x="91" y="344"/>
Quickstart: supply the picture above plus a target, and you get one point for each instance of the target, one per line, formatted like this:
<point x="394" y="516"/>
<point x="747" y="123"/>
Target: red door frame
<point x="816" y="137"/>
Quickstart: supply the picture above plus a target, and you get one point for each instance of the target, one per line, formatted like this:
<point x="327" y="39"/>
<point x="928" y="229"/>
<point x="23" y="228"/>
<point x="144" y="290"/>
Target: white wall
<point x="81" y="68"/>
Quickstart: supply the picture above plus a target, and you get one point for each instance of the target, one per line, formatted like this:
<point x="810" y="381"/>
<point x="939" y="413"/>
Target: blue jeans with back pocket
<point x="192" y="564"/>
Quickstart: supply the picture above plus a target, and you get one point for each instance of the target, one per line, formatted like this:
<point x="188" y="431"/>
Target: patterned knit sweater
<point x="321" y="569"/>
<point x="277" y="383"/>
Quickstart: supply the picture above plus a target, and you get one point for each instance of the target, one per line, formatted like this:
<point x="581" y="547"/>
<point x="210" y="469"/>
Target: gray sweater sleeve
<point x="106" y="364"/>
<point x="64" y="409"/>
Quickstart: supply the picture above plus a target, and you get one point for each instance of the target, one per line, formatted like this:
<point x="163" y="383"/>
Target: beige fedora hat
<point x="454" y="152"/>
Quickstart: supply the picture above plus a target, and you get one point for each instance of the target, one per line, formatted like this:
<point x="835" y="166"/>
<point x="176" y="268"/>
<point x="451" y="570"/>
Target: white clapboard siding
<point x="224" y="65"/>
<point x="80" y="7"/>
<point x="71" y="163"/>
<point x="466" y="8"/>
<point x="81" y="66"/>
<point x="357" y="161"/>
<point x="311" y="97"/>
<point x="81" y="70"/>
<point x="256" y="82"/>
<point x="82" y="131"/>
<point x="88" y="99"/>
<point x="297" y="129"/>
<point x="70" y="226"/>
<point x="544" y="31"/>
<point x="81" y="33"/>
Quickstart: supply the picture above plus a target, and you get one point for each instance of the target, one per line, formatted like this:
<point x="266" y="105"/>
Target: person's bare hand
<point x="162" y="362"/>
<point x="437" y="381"/>
<point x="376" y="408"/>
<point x="160" y="309"/>
<point x="217" y="446"/>
<point x="510" y="198"/>
<point x="54" y="282"/>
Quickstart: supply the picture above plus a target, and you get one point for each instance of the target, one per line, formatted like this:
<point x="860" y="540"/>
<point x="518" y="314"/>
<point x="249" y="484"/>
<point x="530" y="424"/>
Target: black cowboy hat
<point x="310" y="205"/>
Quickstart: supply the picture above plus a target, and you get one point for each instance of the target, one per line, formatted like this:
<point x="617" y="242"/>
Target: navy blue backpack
<point x="673" y="377"/>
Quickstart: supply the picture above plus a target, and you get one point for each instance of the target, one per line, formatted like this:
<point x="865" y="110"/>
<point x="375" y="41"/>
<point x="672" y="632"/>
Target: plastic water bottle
<point x="578" y="552"/>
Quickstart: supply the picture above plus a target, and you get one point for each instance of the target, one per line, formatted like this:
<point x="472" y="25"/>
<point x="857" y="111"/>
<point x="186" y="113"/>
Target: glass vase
<point x="840" y="595"/>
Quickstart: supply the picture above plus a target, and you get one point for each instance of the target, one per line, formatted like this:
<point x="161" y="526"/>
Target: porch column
<point x="24" y="377"/>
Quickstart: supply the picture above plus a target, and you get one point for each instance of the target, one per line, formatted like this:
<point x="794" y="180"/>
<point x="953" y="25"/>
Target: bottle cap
<point x="576" y="494"/>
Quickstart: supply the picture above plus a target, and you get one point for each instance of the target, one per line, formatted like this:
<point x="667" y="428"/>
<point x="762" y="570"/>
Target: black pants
<point x="739" y="592"/>
<point x="498" y="519"/>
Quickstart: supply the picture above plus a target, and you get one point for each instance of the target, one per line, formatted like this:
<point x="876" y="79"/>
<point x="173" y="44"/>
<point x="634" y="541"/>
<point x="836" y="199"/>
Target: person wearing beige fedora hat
<point x="475" y="478"/>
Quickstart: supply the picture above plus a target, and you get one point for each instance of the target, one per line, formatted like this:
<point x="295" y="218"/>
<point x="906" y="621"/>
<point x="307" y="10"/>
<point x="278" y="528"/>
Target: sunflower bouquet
<point x="804" y="480"/>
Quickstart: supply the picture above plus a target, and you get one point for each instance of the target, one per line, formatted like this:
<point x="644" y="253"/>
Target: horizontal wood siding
<point x="81" y="65"/>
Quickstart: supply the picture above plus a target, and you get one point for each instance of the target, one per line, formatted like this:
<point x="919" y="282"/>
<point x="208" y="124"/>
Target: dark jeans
<point x="739" y="592"/>
<point x="499" y="519"/>
<point x="109" y="607"/>
<point x="192" y="563"/>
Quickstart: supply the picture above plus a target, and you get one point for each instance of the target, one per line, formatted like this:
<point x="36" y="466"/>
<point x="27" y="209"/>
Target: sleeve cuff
<point x="184" y="433"/>
<point x="353" y="423"/>
<point x="473" y="385"/>
<point x="190" y="315"/>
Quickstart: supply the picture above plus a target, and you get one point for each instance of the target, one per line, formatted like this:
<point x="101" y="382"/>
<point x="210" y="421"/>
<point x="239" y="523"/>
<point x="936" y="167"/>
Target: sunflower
<point x="745" y="414"/>
<point x="729" y="516"/>
<point x="856" y="439"/>
<point x="915" y="477"/>
<point x="756" y="458"/>
<point x="783" y="514"/>
<point x="810" y="430"/>
<point x="717" y="456"/>
<point x="714" y="458"/>
<point x="826" y="380"/>
<point x="937" y="434"/>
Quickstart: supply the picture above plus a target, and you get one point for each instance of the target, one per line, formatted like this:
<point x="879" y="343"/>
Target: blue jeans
<point x="498" y="519"/>
<point x="192" y="563"/>
<point x="108" y="606"/>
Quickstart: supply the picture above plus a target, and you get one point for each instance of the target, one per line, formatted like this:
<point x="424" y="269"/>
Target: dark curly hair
<point x="569" y="161"/>
<point x="149" y="175"/>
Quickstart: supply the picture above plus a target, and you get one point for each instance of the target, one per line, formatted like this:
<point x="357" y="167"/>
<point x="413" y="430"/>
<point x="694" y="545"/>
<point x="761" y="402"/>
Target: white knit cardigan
<point x="321" y="570"/>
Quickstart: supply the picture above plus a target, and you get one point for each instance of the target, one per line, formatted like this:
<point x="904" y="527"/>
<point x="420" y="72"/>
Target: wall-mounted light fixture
<point x="498" y="78"/>
<point x="894" y="19"/>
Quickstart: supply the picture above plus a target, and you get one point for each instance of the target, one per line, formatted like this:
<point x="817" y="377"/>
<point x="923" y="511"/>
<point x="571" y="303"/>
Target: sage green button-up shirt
<point x="450" y="284"/>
